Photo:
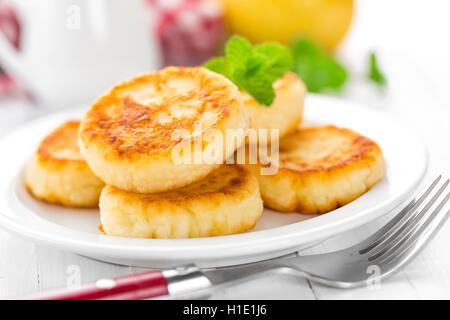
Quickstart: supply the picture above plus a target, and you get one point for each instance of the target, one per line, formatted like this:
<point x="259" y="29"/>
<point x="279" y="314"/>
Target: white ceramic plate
<point x="276" y="234"/>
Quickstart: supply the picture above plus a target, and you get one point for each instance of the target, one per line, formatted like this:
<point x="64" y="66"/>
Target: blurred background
<point x="388" y="55"/>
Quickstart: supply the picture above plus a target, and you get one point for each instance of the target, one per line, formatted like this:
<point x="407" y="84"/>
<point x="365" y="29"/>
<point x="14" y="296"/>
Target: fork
<point x="371" y="261"/>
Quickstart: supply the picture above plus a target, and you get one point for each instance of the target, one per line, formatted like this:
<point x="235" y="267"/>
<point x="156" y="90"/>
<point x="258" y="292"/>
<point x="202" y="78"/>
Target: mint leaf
<point x="305" y="47"/>
<point x="375" y="74"/>
<point x="260" y="88"/>
<point x="238" y="50"/>
<point x="220" y="65"/>
<point x="253" y="69"/>
<point x="278" y="59"/>
<point x="255" y="64"/>
<point x="320" y="71"/>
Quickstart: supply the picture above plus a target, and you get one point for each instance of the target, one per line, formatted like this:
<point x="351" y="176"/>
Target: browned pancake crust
<point x="127" y="125"/>
<point x="225" y="202"/>
<point x="321" y="169"/>
<point x="57" y="173"/>
<point x="226" y="180"/>
<point x="61" y="145"/>
<point x="353" y="147"/>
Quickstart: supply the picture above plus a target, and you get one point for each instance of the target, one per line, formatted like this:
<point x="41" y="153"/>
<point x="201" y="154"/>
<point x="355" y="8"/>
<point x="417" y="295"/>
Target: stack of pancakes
<point x="121" y="157"/>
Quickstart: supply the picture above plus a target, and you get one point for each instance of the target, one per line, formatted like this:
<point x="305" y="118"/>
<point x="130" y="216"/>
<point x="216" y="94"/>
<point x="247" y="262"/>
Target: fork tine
<point x="376" y="238"/>
<point x="407" y="228"/>
<point x="408" y="244"/>
<point x="398" y="221"/>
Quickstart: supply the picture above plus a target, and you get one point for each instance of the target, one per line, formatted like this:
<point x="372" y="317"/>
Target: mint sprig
<point x="319" y="70"/>
<point x="253" y="68"/>
<point x="375" y="74"/>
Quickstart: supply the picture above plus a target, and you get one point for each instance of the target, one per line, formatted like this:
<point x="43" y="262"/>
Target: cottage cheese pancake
<point x="321" y="169"/>
<point x="129" y="135"/>
<point x="57" y="173"/>
<point x="227" y="201"/>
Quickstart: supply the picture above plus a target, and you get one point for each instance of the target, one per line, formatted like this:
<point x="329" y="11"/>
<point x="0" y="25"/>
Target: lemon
<point x="326" y="21"/>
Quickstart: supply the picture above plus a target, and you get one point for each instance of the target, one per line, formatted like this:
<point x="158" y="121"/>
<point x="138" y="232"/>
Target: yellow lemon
<point x="326" y="21"/>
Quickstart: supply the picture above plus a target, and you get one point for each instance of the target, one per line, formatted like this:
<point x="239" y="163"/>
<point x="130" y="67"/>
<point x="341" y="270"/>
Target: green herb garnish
<point x="319" y="70"/>
<point x="375" y="74"/>
<point x="253" y="68"/>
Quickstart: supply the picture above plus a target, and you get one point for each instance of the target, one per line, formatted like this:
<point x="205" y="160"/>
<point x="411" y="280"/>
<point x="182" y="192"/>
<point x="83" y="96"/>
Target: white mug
<point x="73" y="50"/>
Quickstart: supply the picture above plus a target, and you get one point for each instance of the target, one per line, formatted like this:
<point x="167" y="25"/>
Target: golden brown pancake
<point x="57" y="173"/>
<point x="227" y="201"/>
<point x="321" y="169"/>
<point x="129" y="135"/>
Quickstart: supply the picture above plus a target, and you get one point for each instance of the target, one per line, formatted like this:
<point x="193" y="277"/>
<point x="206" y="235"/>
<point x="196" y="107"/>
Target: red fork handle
<point x="185" y="279"/>
<point x="133" y="287"/>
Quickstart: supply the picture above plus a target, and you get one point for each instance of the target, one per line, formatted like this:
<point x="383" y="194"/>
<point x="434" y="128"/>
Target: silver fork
<point x="386" y="252"/>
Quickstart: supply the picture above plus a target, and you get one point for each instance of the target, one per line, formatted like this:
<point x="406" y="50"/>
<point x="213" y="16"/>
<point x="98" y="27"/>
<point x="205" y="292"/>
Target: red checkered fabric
<point x="189" y="31"/>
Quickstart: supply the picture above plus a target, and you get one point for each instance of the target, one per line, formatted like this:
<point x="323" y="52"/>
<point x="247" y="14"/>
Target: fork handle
<point x="157" y="283"/>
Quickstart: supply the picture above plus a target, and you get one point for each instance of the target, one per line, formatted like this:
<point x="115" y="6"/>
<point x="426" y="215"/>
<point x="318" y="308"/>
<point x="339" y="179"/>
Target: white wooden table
<point x="414" y="53"/>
